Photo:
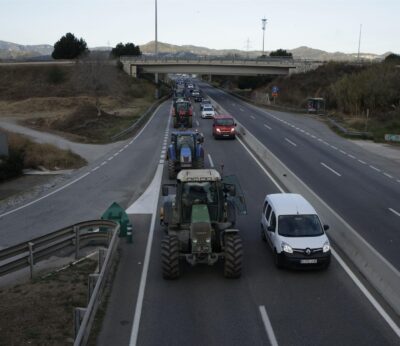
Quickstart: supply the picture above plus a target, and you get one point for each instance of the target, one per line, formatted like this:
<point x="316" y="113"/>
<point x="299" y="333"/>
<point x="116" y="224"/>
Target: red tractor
<point x="182" y="113"/>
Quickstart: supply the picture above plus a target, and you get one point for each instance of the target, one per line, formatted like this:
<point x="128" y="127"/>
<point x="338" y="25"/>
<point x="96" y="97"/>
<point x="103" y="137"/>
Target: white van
<point x="293" y="229"/>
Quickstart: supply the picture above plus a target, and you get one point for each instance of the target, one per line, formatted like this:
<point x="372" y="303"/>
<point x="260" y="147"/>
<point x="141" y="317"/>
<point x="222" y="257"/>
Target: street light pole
<point x="264" y="22"/>
<point x="156" y="49"/>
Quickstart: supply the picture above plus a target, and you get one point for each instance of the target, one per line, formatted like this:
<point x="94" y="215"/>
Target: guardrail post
<point x="77" y="245"/>
<point x="78" y="317"/>
<point x="31" y="263"/>
<point x="92" y="280"/>
<point x="102" y="258"/>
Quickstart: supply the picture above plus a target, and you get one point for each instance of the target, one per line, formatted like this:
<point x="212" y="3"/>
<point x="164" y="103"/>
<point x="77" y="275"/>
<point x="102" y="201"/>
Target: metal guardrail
<point x="28" y="253"/>
<point x="215" y="59"/>
<point x="89" y="312"/>
<point x="140" y="121"/>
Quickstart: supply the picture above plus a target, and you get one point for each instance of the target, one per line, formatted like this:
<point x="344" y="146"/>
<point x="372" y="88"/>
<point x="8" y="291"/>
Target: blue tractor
<point x="185" y="151"/>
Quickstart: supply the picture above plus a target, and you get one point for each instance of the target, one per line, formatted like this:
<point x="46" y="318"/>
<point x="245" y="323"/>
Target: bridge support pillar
<point x="210" y="78"/>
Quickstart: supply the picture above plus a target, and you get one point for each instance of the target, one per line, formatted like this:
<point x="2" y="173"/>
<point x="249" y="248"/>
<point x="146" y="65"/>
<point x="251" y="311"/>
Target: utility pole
<point x="359" y="44"/>
<point x="264" y="23"/>
<point x="247" y="47"/>
<point x="156" y="50"/>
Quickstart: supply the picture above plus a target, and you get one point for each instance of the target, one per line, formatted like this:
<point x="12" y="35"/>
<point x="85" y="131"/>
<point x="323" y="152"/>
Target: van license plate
<point x="309" y="261"/>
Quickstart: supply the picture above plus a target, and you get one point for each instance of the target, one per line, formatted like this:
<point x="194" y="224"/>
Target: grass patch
<point x="41" y="312"/>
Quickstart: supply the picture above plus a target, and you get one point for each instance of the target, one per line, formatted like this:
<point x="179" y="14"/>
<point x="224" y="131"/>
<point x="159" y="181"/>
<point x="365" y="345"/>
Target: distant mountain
<point x="9" y="50"/>
<point x="300" y="52"/>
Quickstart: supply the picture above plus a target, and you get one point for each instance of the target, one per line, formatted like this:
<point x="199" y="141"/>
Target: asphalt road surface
<point x="202" y="307"/>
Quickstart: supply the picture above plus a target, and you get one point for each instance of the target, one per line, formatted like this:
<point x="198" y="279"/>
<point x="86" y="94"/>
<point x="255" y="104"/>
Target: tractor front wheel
<point x="170" y="257"/>
<point x="233" y="256"/>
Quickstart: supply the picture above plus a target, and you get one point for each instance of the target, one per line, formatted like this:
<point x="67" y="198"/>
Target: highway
<point x="204" y="308"/>
<point x="360" y="186"/>
<point x="265" y="305"/>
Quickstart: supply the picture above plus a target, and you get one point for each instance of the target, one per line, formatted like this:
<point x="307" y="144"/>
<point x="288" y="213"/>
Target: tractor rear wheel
<point x="233" y="256"/>
<point x="171" y="169"/>
<point x="170" y="257"/>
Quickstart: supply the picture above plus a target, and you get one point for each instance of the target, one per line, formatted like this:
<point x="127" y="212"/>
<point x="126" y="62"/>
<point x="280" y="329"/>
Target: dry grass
<point x="43" y="155"/>
<point x="46" y="97"/>
<point x="41" y="312"/>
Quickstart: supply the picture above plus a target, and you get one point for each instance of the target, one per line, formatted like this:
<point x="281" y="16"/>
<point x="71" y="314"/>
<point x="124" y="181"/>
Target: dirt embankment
<point x="87" y="101"/>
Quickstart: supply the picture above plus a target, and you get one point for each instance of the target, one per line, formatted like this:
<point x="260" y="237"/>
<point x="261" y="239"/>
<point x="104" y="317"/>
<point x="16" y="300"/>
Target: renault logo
<point x="308" y="251"/>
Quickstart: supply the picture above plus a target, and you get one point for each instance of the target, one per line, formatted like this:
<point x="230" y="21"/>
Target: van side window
<point x="273" y="221"/>
<point x="265" y="206"/>
<point x="268" y="212"/>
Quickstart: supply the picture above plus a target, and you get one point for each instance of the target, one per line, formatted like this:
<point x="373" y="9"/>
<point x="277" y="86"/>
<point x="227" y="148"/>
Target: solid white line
<point x="388" y="175"/>
<point x="268" y="326"/>
<point x="143" y="279"/>
<point x="371" y="299"/>
<point x="289" y="141"/>
<point x="95" y="168"/>
<point x="374" y="168"/>
<point x="269" y="128"/>
<point x="261" y="166"/>
<point x="82" y="176"/>
<point x="211" y="161"/>
<point x="368" y="295"/>
<point x="45" y="196"/>
<point x="197" y="123"/>
<point x="394" y="211"/>
<point x="252" y="117"/>
<point x="331" y="169"/>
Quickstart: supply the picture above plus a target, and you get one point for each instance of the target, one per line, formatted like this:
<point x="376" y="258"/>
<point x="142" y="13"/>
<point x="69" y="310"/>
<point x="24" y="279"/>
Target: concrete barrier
<point x="381" y="274"/>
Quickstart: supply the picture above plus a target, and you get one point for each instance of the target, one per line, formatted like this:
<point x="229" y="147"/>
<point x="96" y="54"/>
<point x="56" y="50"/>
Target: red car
<point x="224" y="126"/>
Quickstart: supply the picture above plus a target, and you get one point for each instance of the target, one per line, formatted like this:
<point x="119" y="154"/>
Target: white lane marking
<point x="363" y="162"/>
<point x="268" y="127"/>
<point x="164" y="147"/>
<point x="45" y="196"/>
<point x="241" y="109"/>
<point x="289" y="141"/>
<point x="84" y="175"/>
<point x="352" y="156"/>
<point x="110" y="158"/>
<point x="95" y="168"/>
<point x="394" y="211"/>
<point x="161" y="162"/>
<point x="333" y="147"/>
<point x="331" y="169"/>
<point x="313" y="136"/>
<point x="261" y="166"/>
<point x="268" y="326"/>
<point x="126" y="146"/>
<point x="374" y="168"/>
<point x="320" y="140"/>
<point x="252" y="117"/>
<point x="197" y="123"/>
<point x="388" y="175"/>
<point x="211" y="161"/>
<point x="116" y="154"/>
<point x="343" y="152"/>
<point x="145" y="270"/>
<point x="368" y="295"/>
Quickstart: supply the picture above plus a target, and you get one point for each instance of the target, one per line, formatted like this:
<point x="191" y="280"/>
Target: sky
<point x="221" y="24"/>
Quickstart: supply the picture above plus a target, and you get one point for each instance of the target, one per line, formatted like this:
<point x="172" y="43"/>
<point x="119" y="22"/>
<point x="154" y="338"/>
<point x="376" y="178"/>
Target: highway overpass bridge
<point x="217" y="66"/>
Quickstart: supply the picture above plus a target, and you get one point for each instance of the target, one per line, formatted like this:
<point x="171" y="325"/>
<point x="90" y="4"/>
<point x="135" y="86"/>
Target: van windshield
<point x="224" y="122"/>
<point x="299" y="226"/>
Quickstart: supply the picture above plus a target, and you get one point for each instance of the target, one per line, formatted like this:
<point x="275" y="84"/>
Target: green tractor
<point x="199" y="219"/>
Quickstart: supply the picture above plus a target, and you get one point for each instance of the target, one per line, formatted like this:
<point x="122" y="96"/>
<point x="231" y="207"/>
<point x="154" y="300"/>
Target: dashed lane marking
<point x="289" y="141"/>
<point x="252" y="117"/>
<point x="268" y="127"/>
<point x="268" y="326"/>
<point x="211" y="161"/>
<point x="394" y="211"/>
<point x="374" y="168"/>
<point x="331" y="169"/>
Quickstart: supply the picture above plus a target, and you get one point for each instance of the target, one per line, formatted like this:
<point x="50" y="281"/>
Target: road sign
<point x="392" y="138"/>
<point x="274" y="94"/>
<point x="116" y="213"/>
<point x="275" y="90"/>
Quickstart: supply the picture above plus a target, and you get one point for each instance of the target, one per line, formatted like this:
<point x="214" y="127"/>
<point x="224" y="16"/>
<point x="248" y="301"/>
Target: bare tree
<point x="96" y="75"/>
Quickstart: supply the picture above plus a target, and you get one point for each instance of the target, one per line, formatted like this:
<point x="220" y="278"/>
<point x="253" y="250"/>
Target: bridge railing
<point x="216" y="60"/>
